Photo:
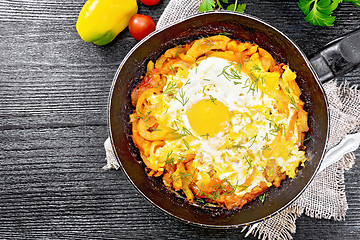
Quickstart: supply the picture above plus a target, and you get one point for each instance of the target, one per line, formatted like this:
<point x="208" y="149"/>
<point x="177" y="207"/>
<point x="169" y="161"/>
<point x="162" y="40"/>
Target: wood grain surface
<point x="53" y="120"/>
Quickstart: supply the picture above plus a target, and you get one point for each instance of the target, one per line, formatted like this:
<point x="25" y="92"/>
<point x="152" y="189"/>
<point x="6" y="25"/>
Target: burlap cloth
<point x="325" y="196"/>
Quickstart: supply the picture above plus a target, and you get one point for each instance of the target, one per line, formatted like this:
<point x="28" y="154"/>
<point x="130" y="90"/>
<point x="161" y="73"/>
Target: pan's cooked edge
<point x="144" y="40"/>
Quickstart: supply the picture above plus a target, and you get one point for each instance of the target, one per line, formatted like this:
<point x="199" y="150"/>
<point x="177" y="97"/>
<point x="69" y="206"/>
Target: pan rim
<point x="308" y="64"/>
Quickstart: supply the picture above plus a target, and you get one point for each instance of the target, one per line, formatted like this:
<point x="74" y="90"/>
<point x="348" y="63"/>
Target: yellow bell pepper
<point x="100" y="21"/>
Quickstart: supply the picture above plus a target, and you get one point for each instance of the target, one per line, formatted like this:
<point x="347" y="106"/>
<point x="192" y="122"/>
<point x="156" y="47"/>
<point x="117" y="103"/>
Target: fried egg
<point x="217" y="113"/>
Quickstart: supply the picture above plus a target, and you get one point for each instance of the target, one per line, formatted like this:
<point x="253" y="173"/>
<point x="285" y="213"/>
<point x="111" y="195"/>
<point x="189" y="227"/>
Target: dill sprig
<point x="232" y="75"/>
<point x="293" y="102"/>
<point x="254" y="85"/>
<point x="181" y="176"/>
<point x="238" y="146"/>
<point x="306" y="139"/>
<point x="249" y="162"/>
<point x="178" y="51"/>
<point x="292" y="99"/>
<point x="169" y="160"/>
<point x="232" y="187"/>
<point x="252" y="140"/>
<point x="205" y="135"/>
<point x="171" y="88"/>
<point x="255" y="67"/>
<point x="182" y="99"/>
<point x="182" y="131"/>
<point x="276" y="128"/>
<point x="186" y="144"/>
<point x="185" y="176"/>
<point x="186" y="132"/>
<point x="167" y="109"/>
<point x="243" y="187"/>
<point x="266" y="137"/>
<point x="152" y="129"/>
<point x="187" y="82"/>
<point x="212" y="99"/>
<point x="172" y="70"/>
<point x="143" y="116"/>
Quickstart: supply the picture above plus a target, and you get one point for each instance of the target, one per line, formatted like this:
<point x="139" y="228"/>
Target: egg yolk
<point x="208" y="117"/>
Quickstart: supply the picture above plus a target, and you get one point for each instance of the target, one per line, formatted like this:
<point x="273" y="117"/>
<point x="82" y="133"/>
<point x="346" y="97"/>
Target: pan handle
<point x="338" y="57"/>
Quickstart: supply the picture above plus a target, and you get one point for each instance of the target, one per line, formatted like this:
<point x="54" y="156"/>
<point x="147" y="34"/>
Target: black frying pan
<point x="332" y="60"/>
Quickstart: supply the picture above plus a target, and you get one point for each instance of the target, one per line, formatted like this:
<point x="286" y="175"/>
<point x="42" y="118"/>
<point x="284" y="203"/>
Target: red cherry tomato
<point x="140" y="26"/>
<point x="150" y="2"/>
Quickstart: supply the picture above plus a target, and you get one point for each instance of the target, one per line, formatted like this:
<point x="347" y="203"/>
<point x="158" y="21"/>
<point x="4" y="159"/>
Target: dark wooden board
<point x="53" y="122"/>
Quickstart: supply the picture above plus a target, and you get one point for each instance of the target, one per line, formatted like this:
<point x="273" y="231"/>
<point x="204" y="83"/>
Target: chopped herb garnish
<point x="225" y="33"/>
<point x="181" y="131"/>
<point x="169" y="160"/>
<point x="262" y="198"/>
<point x="306" y="139"/>
<point x="293" y="102"/>
<point x="181" y="175"/>
<point x="172" y="70"/>
<point x="289" y="154"/>
<point x="249" y="162"/>
<point x="255" y="67"/>
<point x="202" y="201"/>
<point x="171" y="88"/>
<point x="143" y="116"/>
<point x="238" y="146"/>
<point x="232" y="75"/>
<point x="292" y="99"/>
<point x="253" y="140"/>
<point x="175" y="177"/>
<point x="266" y="137"/>
<point x="233" y="188"/>
<point x="187" y="82"/>
<point x="276" y="128"/>
<point x="254" y="85"/>
<point x="185" y="176"/>
<point x="223" y="72"/>
<point x="178" y="51"/>
<point x="205" y="135"/>
<point x="212" y="99"/>
<point x="182" y="99"/>
<point x="287" y="89"/>
<point x="185" y="131"/>
<point x="243" y="187"/>
<point x="152" y="129"/>
<point x="186" y="144"/>
<point x="271" y="170"/>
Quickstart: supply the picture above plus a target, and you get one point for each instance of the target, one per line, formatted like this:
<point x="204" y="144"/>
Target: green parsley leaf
<point x="240" y="8"/>
<point x="207" y="5"/>
<point x="320" y="14"/>
<point x="355" y="2"/>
